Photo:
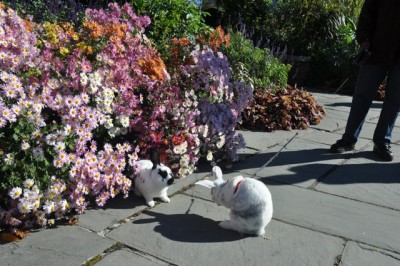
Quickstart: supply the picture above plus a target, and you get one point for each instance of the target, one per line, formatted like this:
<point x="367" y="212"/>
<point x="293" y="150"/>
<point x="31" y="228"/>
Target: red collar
<point x="237" y="186"/>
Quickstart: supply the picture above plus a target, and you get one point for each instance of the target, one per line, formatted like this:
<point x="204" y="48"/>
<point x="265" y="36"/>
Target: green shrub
<point x="255" y="65"/>
<point x="320" y="29"/>
<point x="170" y="18"/>
<point x="49" y="10"/>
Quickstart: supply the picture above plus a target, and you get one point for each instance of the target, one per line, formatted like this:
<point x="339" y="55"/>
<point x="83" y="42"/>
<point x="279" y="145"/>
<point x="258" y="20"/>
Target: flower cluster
<point x="80" y="104"/>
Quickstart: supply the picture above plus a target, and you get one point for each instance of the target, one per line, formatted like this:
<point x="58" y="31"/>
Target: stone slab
<point x="359" y="254"/>
<point x="118" y="209"/>
<point x="187" y="233"/>
<point x="301" y="163"/>
<point x="368" y="129"/>
<point x="65" y="245"/>
<point x="128" y="257"/>
<point x="370" y="180"/>
<point x="329" y="138"/>
<point x="330" y="124"/>
<point x="263" y="140"/>
<point x="330" y="214"/>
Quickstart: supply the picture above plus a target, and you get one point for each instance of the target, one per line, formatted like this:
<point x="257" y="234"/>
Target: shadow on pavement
<point x="348" y="104"/>
<point x="189" y="227"/>
<point x="300" y="166"/>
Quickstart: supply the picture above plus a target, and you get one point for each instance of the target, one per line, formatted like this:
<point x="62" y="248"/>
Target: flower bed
<point x="80" y="104"/>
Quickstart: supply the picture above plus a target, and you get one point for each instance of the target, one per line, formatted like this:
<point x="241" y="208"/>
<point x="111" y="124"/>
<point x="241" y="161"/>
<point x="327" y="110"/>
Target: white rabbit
<point x="153" y="179"/>
<point x="248" y="199"/>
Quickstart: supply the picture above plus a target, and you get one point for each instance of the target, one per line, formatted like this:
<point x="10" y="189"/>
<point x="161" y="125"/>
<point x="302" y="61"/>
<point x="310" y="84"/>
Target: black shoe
<point x="383" y="151"/>
<point x="342" y="145"/>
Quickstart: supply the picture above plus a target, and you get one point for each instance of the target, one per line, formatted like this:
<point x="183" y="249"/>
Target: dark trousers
<point x="368" y="81"/>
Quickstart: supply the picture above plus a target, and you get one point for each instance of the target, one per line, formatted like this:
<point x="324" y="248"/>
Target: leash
<point x="275" y="155"/>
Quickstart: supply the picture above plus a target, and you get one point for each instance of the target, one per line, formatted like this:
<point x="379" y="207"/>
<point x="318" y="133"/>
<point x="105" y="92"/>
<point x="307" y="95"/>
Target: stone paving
<point x="329" y="209"/>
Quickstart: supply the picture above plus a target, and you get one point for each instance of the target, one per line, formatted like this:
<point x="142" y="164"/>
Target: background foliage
<point x="322" y="30"/>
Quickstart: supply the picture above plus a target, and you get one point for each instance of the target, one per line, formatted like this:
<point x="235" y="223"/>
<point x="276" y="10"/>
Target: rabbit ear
<point x="154" y="158"/>
<point x="205" y="183"/>
<point x="217" y="173"/>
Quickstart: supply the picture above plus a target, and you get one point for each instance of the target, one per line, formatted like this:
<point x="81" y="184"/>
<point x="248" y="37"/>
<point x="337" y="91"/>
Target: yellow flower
<point x="64" y="50"/>
<point x="85" y="48"/>
<point x="75" y="37"/>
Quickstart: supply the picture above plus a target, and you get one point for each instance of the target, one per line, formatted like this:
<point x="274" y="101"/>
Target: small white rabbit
<point x="153" y="179"/>
<point x="248" y="199"/>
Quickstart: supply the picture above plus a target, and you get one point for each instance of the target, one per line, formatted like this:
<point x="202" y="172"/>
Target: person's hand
<point x="363" y="53"/>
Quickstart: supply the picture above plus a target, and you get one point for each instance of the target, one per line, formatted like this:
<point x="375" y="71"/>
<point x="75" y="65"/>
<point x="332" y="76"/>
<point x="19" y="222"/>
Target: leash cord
<point x="275" y="155"/>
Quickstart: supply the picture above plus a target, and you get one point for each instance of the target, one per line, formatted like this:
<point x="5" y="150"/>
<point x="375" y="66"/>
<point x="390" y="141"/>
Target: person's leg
<point x="390" y="109"/>
<point x="368" y="81"/>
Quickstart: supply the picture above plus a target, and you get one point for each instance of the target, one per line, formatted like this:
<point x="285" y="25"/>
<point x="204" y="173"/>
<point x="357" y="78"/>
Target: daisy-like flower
<point x="51" y="139"/>
<point x="209" y="156"/>
<point x="63" y="205"/>
<point x="51" y="222"/>
<point x="10" y="92"/>
<point x="73" y="112"/>
<point x="49" y="207"/>
<point x="28" y="183"/>
<point x="80" y="201"/>
<point x="25" y="145"/>
<point x="63" y="156"/>
<point x="15" y="192"/>
<point x="58" y="163"/>
<point x="24" y="206"/>
<point x="9" y="159"/>
<point x="220" y="142"/>
<point x="85" y="98"/>
<point x="59" y="146"/>
<point x="124" y="121"/>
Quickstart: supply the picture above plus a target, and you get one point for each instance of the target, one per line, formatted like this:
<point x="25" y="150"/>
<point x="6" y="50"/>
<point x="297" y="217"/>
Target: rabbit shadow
<point x="189" y="228"/>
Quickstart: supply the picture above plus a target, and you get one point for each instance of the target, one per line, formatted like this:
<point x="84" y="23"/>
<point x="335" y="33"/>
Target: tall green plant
<point x="254" y="65"/>
<point x="171" y="18"/>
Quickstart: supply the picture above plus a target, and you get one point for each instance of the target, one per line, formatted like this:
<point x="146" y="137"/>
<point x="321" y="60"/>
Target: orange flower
<point x="178" y="139"/>
<point x="27" y="24"/>
<point x="215" y="38"/>
<point x="117" y="31"/>
<point x="2" y="6"/>
<point x="154" y="67"/>
<point x="96" y="30"/>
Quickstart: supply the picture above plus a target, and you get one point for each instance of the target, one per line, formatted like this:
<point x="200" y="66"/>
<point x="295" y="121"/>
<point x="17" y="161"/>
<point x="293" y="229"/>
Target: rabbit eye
<point x="163" y="174"/>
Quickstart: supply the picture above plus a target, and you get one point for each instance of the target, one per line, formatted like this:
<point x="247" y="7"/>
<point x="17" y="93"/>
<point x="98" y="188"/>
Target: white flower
<point x="9" y="158"/>
<point x="15" y="192"/>
<point x="25" y="145"/>
<point x="109" y="123"/>
<point x="24" y="206"/>
<point x="28" y="183"/>
<point x="209" y="156"/>
<point x="60" y="146"/>
<point x="84" y="79"/>
<point x="49" y="207"/>
<point x="63" y="205"/>
<point x="124" y="121"/>
<point x="67" y="130"/>
<point x="221" y="142"/>
<point x="185" y="160"/>
<point x="51" y="139"/>
<point x="36" y="204"/>
<point x="93" y="88"/>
